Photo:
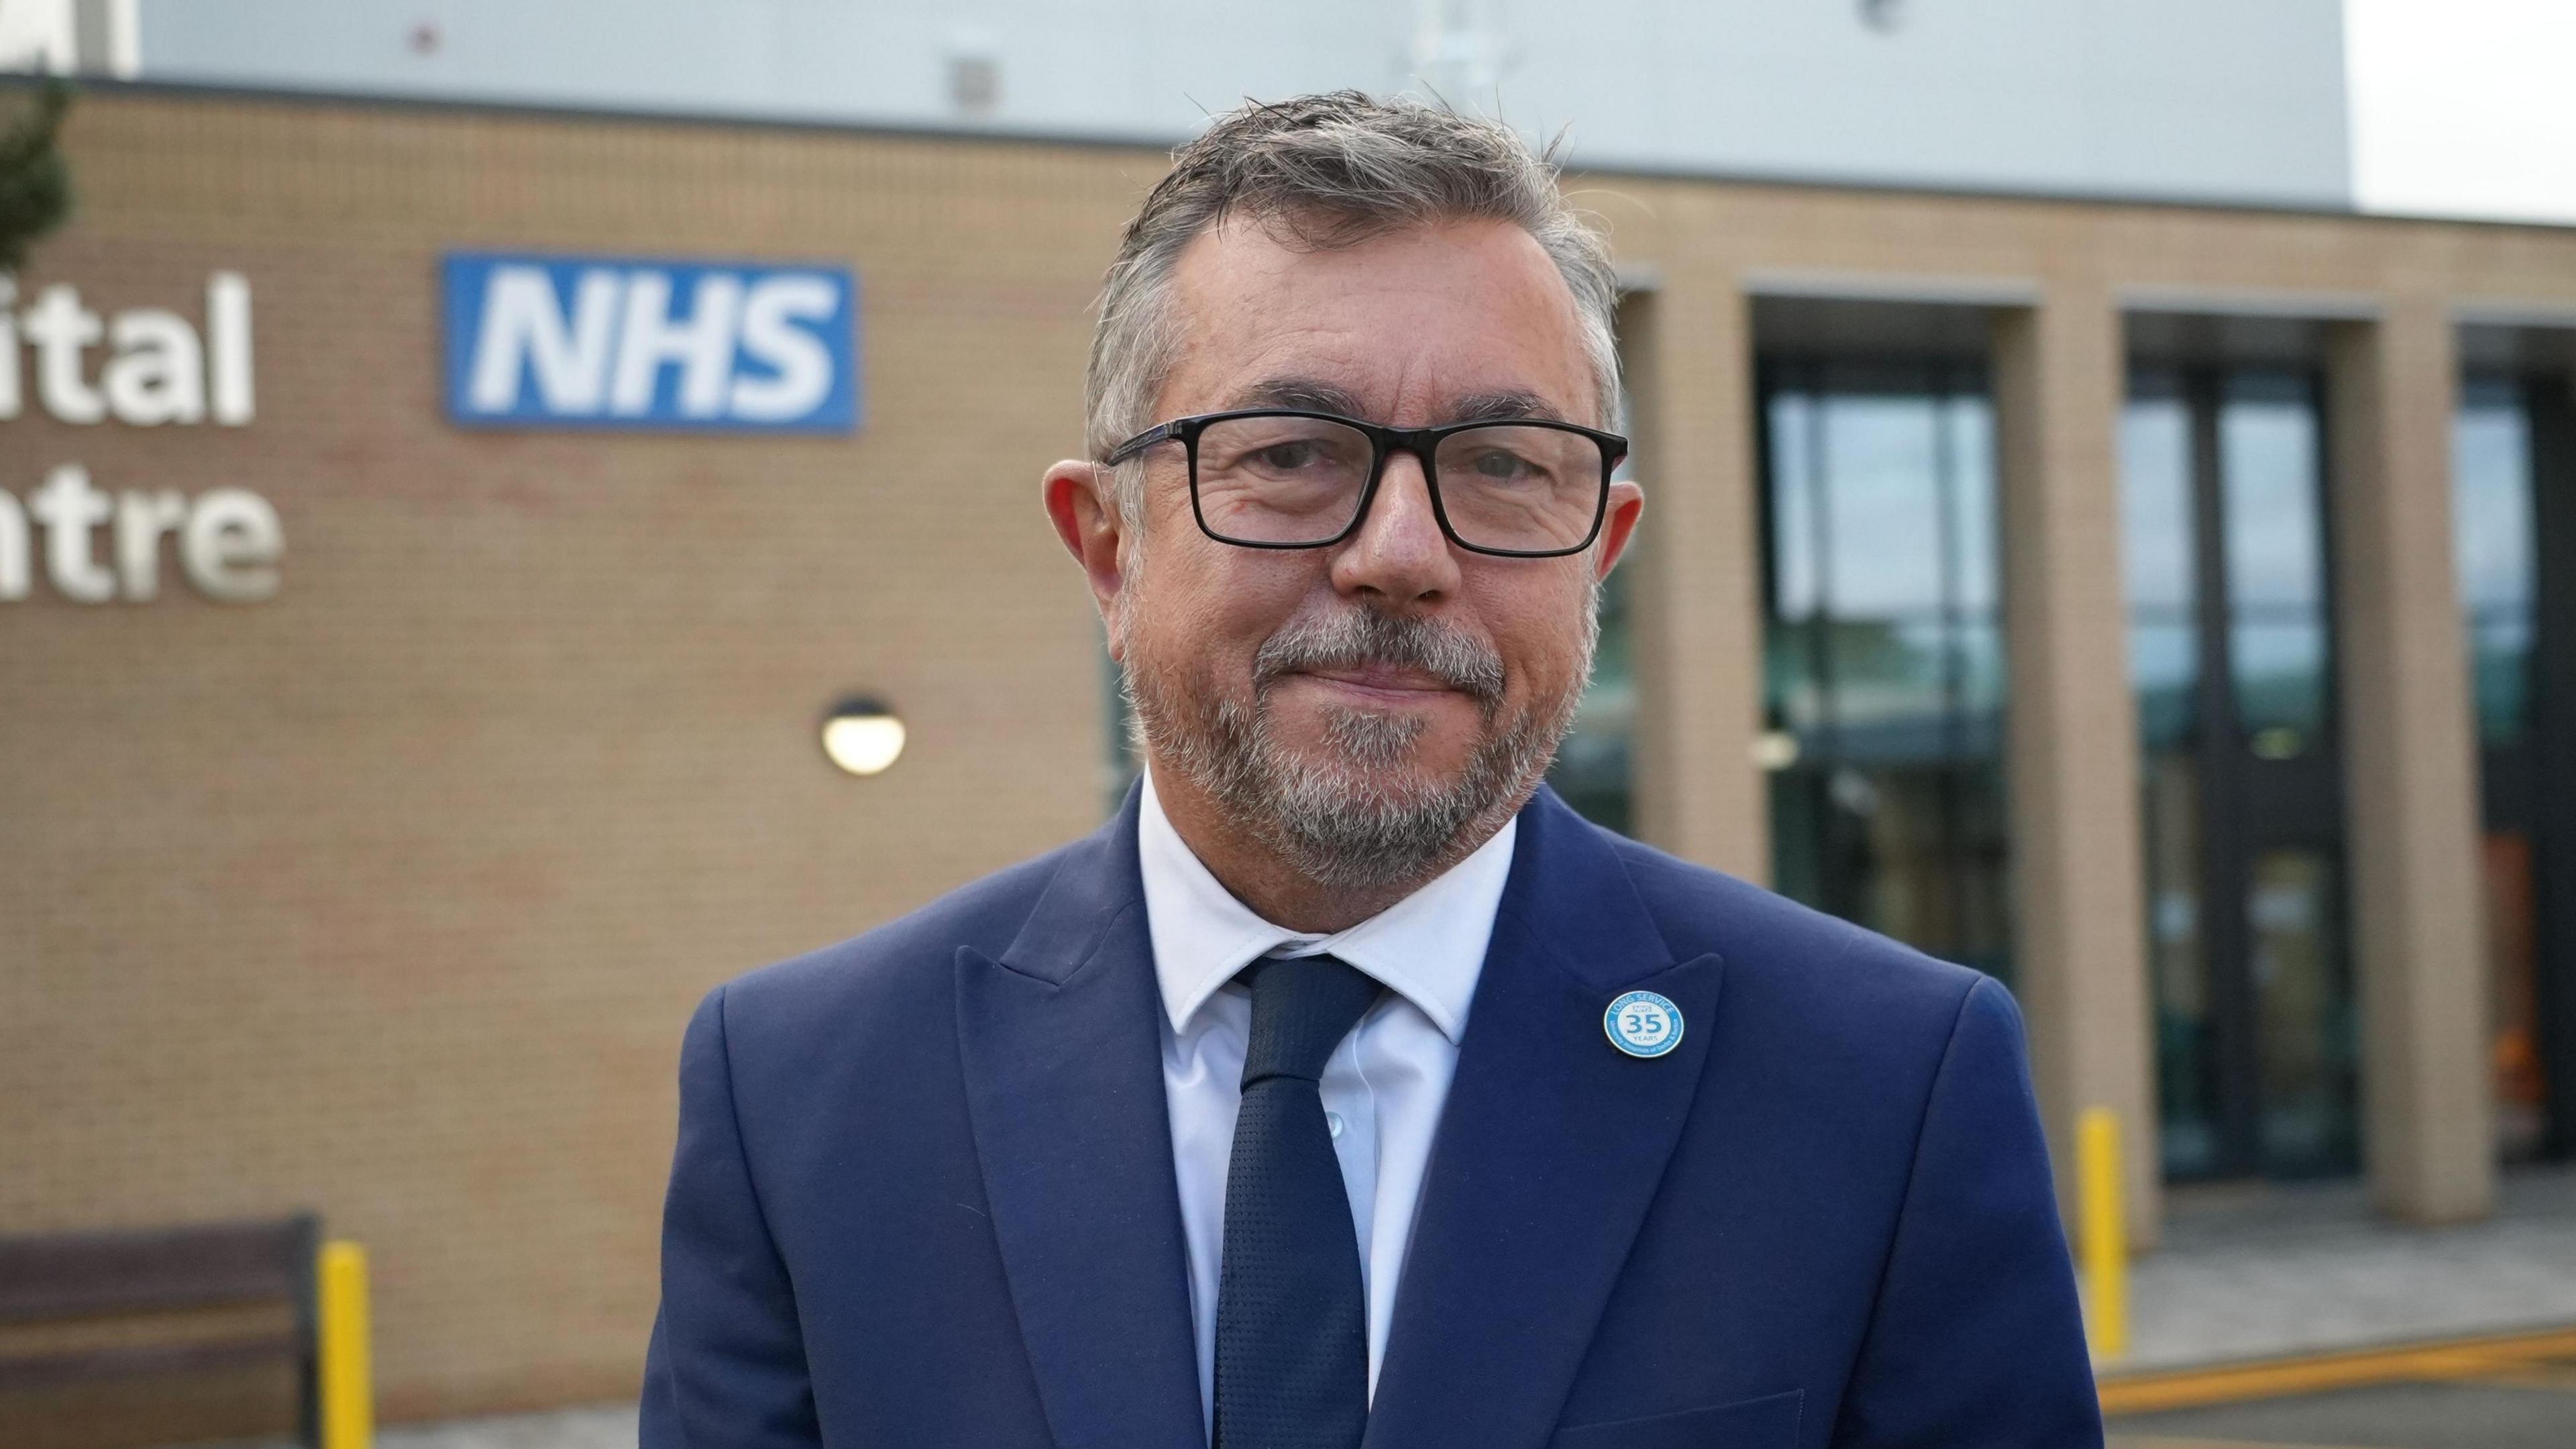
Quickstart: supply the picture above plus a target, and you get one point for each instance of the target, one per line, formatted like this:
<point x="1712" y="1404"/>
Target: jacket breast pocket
<point x="1769" y="1422"/>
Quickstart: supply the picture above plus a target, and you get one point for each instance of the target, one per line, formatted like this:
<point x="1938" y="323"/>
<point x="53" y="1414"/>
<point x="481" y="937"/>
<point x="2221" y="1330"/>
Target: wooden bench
<point x="75" y="1280"/>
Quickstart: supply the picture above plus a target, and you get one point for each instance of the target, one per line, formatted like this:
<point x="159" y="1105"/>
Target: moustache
<point x="1365" y="636"/>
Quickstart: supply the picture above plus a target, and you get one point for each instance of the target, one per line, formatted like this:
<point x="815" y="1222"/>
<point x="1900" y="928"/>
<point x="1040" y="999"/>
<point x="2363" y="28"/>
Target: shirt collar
<point x="1429" y="947"/>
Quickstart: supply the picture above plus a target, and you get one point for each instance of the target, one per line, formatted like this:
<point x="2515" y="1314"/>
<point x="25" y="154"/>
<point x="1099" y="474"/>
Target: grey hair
<point x="1329" y="170"/>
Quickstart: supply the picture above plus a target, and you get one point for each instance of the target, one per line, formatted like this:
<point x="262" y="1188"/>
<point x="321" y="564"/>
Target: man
<point x="1347" y="1088"/>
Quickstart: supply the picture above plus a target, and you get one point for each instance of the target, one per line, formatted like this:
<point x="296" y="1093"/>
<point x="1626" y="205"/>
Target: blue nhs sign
<point x="628" y="342"/>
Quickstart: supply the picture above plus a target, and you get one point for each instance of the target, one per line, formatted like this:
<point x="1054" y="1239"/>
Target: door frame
<point x="2249" y="805"/>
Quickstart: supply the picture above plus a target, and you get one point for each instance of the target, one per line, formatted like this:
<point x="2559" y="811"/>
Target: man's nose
<point x="1399" y="554"/>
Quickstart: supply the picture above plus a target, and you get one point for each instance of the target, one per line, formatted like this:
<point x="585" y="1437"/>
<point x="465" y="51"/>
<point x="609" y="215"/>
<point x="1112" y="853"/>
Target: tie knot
<point x="1302" y="1007"/>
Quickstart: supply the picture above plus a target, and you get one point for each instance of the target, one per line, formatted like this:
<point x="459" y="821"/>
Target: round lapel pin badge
<point x="1643" y="1024"/>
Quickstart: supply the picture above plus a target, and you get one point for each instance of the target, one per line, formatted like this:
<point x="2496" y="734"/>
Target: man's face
<point x="1365" y="705"/>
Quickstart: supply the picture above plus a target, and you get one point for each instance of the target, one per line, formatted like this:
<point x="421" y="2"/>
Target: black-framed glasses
<point x="1288" y="478"/>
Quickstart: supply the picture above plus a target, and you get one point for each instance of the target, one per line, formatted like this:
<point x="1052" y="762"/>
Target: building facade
<point x="2168" y="608"/>
<point x="2195" y="99"/>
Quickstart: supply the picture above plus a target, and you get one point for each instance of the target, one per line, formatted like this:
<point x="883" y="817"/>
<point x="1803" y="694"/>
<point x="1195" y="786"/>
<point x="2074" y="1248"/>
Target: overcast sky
<point x="2464" y="107"/>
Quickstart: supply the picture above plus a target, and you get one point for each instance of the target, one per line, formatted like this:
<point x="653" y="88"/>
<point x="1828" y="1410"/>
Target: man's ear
<point x="1081" y="503"/>
<point x="1618" y="526"/>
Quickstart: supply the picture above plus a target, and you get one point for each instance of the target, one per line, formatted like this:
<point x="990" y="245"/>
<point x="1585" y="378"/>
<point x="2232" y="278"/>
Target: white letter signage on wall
<point x="626" y="342"/>
<point x="144" y="367"/>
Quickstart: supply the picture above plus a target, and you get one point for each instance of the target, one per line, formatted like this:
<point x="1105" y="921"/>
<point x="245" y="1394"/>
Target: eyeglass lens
<point x="1298" y="480"/>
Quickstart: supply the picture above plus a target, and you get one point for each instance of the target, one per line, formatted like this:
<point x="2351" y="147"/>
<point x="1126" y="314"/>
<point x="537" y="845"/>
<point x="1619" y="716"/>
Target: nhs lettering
<point x="625" y="342"/>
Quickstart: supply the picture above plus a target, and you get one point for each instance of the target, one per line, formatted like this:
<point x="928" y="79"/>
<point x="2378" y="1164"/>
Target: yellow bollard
<point x="348" y="1388"/>
<point x="2105" y="1247"/>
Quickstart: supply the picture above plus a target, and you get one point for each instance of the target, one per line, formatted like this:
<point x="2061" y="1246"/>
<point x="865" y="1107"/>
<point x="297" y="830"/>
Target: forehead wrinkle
<point x="1231" y="269"/>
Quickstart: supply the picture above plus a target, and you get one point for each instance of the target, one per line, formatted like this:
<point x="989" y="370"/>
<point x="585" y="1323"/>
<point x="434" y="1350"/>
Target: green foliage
<point x="35" y="182"/>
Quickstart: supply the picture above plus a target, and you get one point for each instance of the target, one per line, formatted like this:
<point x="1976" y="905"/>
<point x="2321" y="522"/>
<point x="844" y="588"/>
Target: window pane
<point x="2155" y="505"/>
<point x="1592" y="765"/>
<point x="1798" y="847"/>
<point x="1890" y="688"/>
<point x="2500" y="665"/>
<point x="2491" y="469"/>
<point x="1971" y="525"/>
<point x="2280" y="682"/>
<point x="2267" y="467"/>
<point x="1883" y="506"/>
<point x="2304" y="1003"/>
<point x="2491" y="480"/>
<point x="1885" y="657"/>
<point x="2164" y="665"/>
<point x="1977" y="652"/>
<point x="2275" y="544"/>
<point x="1933" y="839"/>
<point x="2178" y="962"/>
<point x="2513" y="974"/>
<point x="1792" y="497"/>
<point x="1793" y="682"/>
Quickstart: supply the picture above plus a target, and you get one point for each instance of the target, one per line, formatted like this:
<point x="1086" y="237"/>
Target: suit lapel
<point x="1548" y="1154"/>
<point x="1064" y="1082"/>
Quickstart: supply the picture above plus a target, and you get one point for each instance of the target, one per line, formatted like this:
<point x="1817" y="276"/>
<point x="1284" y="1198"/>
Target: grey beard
<point x="1326" y="817"/>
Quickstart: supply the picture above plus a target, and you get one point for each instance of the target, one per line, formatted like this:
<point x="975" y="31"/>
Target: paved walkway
<point x="606" y="1426"/>
<point x="2264" y="1272"/>
<point x="2509" y="1392"/>
<point x="610" y="1426"/>
<point x="2245" y="1273"/>
<point x="2387" y="1416"/>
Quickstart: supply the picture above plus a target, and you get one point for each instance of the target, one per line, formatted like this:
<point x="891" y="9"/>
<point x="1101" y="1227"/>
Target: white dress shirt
<point x="1386" y="1082"/>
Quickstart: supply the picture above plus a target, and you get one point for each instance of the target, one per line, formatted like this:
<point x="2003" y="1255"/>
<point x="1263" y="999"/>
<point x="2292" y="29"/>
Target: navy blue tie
<point x="1291" y="1320"/>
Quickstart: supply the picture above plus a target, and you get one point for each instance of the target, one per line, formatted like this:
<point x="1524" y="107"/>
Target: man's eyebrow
<point x="1315" y="395"/>
<point x="1502" y="407"/>
<point x="1308" y="393"/>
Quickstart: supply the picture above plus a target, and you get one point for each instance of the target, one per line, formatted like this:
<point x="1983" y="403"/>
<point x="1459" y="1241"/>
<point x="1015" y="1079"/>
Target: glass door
<point x="2231" y="653"/>
<point x="2516" y="527"/>
<point x="1884" y="651"/>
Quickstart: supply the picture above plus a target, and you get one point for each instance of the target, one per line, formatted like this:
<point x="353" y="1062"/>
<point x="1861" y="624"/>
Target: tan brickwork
<point x="389" y="897"/>
<point x="2080" y="942"/>
<point x="2411" y="771"/>
<point x="1697" y="589"/>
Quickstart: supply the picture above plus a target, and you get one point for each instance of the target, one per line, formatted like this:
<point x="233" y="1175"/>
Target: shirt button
<point x="1333" y="1121"/>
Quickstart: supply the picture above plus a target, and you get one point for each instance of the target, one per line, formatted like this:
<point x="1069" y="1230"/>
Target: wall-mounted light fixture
<point x="863" y="735"/>
<point x="1775" y="750"/>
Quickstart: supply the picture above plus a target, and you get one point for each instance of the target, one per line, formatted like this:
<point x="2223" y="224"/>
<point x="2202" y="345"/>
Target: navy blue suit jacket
<point x="924" y="1193"/>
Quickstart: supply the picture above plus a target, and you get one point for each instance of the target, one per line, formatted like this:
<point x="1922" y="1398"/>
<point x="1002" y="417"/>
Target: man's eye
<point x="1300" y="455"/>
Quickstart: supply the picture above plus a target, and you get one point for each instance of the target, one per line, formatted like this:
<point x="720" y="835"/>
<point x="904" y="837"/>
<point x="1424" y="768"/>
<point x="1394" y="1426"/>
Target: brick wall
<point x="389" y="896"/>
